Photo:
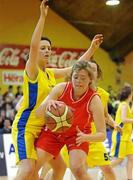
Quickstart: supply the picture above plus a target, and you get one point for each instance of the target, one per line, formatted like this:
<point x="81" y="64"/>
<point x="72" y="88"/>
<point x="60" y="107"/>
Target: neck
<point x="42" y="67"/>
<point x="77" y="94"/>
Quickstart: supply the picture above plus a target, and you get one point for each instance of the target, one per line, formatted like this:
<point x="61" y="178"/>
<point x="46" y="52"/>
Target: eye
<point x="83" y="79"/>
<point x="75" y="77"/>
<point x="42" y="48"/>
<point x="49" y="48"/>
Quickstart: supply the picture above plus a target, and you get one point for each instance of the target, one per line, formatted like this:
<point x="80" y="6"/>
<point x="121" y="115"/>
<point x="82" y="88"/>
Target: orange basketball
<point x="59" y="119"/>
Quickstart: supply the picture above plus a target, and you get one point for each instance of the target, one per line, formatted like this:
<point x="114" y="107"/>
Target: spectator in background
<point x="1" y="101"/>
<point x="19" y="91"/>
<point x="9" y="93"/>
<point x="2" y="117"/>
<point x="7" y="126"/>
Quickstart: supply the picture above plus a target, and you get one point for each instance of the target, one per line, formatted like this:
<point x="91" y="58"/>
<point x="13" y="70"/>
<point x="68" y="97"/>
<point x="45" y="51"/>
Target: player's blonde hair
<point x="82" y="65"/>
<point x="85" y="66"/>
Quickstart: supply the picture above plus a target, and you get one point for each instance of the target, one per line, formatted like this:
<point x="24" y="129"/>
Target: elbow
<point x="103" y="136"/>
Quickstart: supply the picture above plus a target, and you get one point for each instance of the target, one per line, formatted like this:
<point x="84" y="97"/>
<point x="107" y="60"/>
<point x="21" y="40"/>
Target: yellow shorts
<point x="122" y="149"/>
<point x="97" y="155"/>
<point x="65" y="156"/>
<point x="23" y="141"/>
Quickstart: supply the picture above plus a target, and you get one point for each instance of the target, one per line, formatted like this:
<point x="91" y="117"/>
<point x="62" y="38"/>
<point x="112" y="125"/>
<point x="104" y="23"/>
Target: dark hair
<point x="46" y="39"/>
<point x="125" y="92"/>
<point x="82" y="65"/>
<point x="99" y="71"/>
<point x="42" y="38"/>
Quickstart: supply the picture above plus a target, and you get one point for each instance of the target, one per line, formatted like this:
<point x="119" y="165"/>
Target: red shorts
<point x="53" y="142"/>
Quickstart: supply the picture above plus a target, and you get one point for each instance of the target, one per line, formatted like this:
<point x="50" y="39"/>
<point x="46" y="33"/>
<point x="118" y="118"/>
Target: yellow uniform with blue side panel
<point x="97" y="155"/>
<point x="26" y="127"/>
<point x="122" y="145"/>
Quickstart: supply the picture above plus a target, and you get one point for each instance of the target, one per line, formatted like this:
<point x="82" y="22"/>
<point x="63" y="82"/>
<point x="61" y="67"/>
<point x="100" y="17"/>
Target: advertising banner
<point x="3" y="170"/>
<point x="9" y="155"/>
<point x="15" y="56"/>
<point x="12" y="77"/>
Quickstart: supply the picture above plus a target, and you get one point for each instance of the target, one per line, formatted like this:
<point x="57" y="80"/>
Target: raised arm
<point x="51" y="99"/>
<point x="96" y="42"/>
<point x="31" y="65"/>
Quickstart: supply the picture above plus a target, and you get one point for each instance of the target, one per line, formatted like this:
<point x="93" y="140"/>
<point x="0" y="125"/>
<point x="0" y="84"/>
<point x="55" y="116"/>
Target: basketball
<point x="59" y="119"/>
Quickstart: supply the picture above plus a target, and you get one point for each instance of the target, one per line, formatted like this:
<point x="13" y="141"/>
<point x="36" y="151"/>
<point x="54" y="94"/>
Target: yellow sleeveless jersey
<point x="104" y="96"/>
<point x="34" y="92"/>
<point x="127" y="127"/>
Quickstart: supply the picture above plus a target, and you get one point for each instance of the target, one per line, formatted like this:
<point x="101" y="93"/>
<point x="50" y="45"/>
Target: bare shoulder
<point x="95" y="102"/>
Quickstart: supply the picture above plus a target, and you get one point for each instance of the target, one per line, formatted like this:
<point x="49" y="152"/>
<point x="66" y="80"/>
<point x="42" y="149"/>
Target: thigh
<point x="129" y="149"/>
<point x="97" y="155"/>
<point x="43" y="157"/>
<point x="70" y="142"/>
<point x="26" y="165"/>
<point x="49" y="142"/>
<point x="24" y="145"/>
<point x="77" y="158"/>
<point x="57" y="163"/>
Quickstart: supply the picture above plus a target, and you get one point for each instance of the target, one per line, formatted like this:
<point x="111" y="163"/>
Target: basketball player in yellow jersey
<point x="38" y="81"/>
<point x="122" y="145"/>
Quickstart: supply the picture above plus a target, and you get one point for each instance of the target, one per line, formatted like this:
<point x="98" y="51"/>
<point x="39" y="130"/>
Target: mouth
<point x="78" y="86"/>
<point x="46" y="56"/>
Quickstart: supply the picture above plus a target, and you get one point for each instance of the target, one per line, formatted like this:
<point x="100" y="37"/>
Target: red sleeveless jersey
<point x="82" y="117"/>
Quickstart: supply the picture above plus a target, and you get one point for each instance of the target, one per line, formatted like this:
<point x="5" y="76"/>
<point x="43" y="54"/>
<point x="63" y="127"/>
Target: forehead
<point x="81" y="72"/>
<point x="44" y="43"/>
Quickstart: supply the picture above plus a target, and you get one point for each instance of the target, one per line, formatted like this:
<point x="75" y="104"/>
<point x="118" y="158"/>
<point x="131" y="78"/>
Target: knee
<point x="60" y="169"/>
<point x="28" y="170"/>
<point x="130" y="157"/>
<point x="107" y="169"/>
<point x="78" y="171"/>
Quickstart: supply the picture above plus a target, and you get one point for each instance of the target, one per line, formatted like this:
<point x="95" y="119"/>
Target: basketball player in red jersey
<point x="79" y="95"/>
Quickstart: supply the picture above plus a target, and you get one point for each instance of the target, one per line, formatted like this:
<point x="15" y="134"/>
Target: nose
<point x="47" y="50"/>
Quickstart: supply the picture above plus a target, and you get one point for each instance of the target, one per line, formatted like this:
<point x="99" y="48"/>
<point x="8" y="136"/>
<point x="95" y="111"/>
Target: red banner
<point x="15" y="56"/>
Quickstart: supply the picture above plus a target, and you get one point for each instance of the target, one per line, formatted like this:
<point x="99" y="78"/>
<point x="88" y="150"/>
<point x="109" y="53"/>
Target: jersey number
<point x="106" y="157"/>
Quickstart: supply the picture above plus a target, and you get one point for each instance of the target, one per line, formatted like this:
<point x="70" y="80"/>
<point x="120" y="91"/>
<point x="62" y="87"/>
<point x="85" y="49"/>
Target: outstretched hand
<point x="96" y="41"/>
<point x="44" y="8"/>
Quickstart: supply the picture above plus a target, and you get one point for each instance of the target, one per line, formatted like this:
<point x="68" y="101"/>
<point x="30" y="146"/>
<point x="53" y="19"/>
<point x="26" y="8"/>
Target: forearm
<point x="36" y="37"/>
<point x="110" y="121"/>
<point x="87" y="55"/>
<point x="97" y="137"/>
<point x="127" y="120"/>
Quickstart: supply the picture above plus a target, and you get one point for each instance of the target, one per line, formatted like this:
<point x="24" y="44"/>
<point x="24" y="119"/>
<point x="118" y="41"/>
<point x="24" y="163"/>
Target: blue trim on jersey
<point x="118" y="138"/>
<point x="33" y="92"/>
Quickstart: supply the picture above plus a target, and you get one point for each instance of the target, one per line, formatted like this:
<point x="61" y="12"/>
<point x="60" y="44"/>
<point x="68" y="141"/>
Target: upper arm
<point x="97" y="110"/>
<point x="19" y="103"/>
<point x="124" y="112"/>
<point x="63" y="72"/>
<point x="54" y="95"/>
<point x="31" y="69"/>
